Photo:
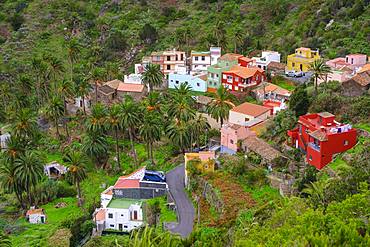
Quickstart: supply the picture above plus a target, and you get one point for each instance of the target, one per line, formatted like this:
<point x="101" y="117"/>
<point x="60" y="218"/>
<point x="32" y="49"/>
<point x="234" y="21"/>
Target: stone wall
<point x="210" y="194"/>
<point x="282" y="182"/>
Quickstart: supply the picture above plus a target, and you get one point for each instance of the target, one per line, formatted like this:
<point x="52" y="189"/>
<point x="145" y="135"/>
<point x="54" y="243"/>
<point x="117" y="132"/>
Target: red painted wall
<point x="261" y="77"/>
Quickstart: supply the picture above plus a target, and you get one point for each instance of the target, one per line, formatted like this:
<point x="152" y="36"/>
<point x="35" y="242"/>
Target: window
<point x="111" y="225"/>
<point x="216" y="75"/>
<point x="236" y="78"/>
<point x="345" y="143"/>
<point x="196" y="58"/>
<point x="246" y="119"/>
<point x="351" y="60"/>
<point x="203" y="58"/>
<point x="257" y="77"/>
<point x="186" y="83"/>
<point x="177" y="82"/>
<point x="171" y="80"/>
<point x="177" y="58"/>
<point x="121" y="215"/>
<point x="310" y="158"/>
<point x="300" y="129"/>
<point x="224" y="76"/>
<point x="135" y="215"/>
<point x="232" y="141"/>
<point x="293" y="64"/>
<point x="110" y="216"/>
<point x="168" y="67"/>
<point x="125" y="226"/>
<point x="182" y="56"/>
<point x="168" y="58"/>
<point x="198" y="84"/>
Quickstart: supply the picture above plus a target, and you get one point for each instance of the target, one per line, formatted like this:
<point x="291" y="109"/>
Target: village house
<point x="275" y="68"/>
<point x="248" y="114"/>
<point x="319" y="136"/>
<point x="115" y="90"/>
<point x="301" y="59"/>
<point x="80" y="102"/>
<point x="132" y="79"/>
<point x="245" y="62"/>
<point x="241" y="79"/>
<point x="272" y="96"/>
<point x="36" y="215"/>
<point x="55" y="170"/>
<point x="265" y="59"/>
<point x="231" y="137"/>
<point x="197" y="82"/>
<point x="167" y="60"/>
<point x="224" y="63"/>
<point x="358" y="84"/>
<point x="263" y="149"/>
<point x="205" y="162"/>
<point x="201" y="60"/>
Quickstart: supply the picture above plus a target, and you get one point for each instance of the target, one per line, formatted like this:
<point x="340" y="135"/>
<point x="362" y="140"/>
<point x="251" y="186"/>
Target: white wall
<point x="36" y="218"/>
<point x="122" y="216"/>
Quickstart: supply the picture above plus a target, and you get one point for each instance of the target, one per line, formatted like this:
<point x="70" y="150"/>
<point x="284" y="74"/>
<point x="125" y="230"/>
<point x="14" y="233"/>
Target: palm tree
<point x="114" y="119"/>
<point x="220" y="34"/>
<point x="98" y="119"/>
<point x="74" y="49"/>
<point x="65" y="91"/>
<point x="82" y="89"/>
<point x="152" y="102"/>
<point x="55" y="110"/>
<point x="38" y="67"/>
<point x="152" y="76"/>
<point x="320" y="70"/>
<point x="198" y="126"/>
<point x="9" y="179"/>
<point x="96" y="147"/>
<point x="4" y="240"/>
<point x="29" y="169"/>
<point x="130" y="118"/>
<point x="150" y="131"/>
<point x="25" y="125"/>
<point x="220" y="106"/>
<point x="96" y="75"/>
<point x="316" y="193"/>
<point x="179" y="133"/>
<point x="76" y="170"/>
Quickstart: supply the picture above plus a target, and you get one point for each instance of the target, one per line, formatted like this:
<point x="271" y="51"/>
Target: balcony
<point x="314" y="146"/>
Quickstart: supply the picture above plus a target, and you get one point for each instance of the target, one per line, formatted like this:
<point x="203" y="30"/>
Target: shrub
<point x="16" y="20"/>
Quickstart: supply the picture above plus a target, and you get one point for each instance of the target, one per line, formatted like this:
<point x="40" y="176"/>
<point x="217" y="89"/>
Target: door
<point x="135" y="215"/>
<point x="120" y="227"/>
<point x="301" y="67"/>
<point x="42" y="219"/>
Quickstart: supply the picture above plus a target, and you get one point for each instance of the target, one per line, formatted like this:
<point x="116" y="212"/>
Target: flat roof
<point x="123" y="203"/>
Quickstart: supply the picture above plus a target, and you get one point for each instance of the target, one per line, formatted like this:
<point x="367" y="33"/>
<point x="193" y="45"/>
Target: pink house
<point x="231" y="134"/>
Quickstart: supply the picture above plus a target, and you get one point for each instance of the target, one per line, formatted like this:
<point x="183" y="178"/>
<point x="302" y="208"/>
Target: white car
<point x="293" y="73"/>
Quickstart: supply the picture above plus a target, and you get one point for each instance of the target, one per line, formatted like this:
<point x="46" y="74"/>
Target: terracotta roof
<point x="100" y="215"/>
<point x="364" y="68"/>
<point x="251" y="109"/>
<point x="203" y="77"/>
<point x="325" y="114"/>
<point x="304" y="48"/>
<point x="130" y="87"/>
<point x="319" y="135"/>
<point x="243" y="72"/>
<point x="261" y="147"/>
<point x="362" y="78"/>
<point x="246" y="59"/>
<point x="127" y="183"/>
<point x="276" y="65"/>
<point x="230" y="57"/>
<point x="35" y="211"/>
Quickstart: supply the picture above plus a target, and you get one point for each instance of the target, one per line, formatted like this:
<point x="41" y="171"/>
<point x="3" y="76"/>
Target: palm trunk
<point x="117" y="146"/>
<point x="19" y="198"/>
<point x="96" y="92"/>
<point x="132" y="145"/>
<point x="79" y="199"/>
<point x="148" y="151"/>
<point x="83" y="104"/>
<point x="29" y="196"/>
<point x="221" y="121"/>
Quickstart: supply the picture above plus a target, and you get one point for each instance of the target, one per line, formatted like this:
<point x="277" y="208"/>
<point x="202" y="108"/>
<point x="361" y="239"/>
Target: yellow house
<point x="206" y="162"/>
<point x="301" y="59"/>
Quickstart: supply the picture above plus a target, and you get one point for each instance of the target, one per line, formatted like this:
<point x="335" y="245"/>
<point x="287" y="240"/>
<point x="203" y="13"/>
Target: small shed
<point x="55" y="170"/>
<point x="36" y="216"/>
<point x="3" y="140"/>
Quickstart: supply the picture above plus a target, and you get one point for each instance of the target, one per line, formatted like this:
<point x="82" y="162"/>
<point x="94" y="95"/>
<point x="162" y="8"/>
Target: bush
<point x="256" y="177"/>
<point x="16" y="20"/>
<point x="65" y="190"/>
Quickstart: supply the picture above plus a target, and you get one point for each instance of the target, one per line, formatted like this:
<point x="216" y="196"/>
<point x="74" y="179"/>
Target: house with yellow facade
<point x="203" y="161"/>
<point x="301" y="59"/>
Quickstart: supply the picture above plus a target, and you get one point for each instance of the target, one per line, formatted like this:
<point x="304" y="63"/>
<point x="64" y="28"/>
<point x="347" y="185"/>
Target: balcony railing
<point x="314" y="146"/>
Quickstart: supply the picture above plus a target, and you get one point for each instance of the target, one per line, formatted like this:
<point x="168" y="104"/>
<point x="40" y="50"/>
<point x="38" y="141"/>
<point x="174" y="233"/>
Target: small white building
<point x="133" y="79"/>
<point x="36" y="216"/>
<point x="79" y="102"/>
<point x="55" y="170"/>
<point x="3" y="140"/>
<point x="201" y="60"/>
<point x="266" y="58"/>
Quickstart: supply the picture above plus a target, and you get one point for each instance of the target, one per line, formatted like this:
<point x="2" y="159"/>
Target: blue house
<point x="197" y="83"/>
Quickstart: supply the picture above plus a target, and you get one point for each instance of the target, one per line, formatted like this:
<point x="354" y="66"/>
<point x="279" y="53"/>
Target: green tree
<point x="24" y="125"/>
<point x="199" y="125"/>
<point x="82" y="89"/>
<point x="152" y="76"/>
<point x="181" y="104"/>
<point x="95" y="146"/>
<point x="150" y="131"/>
<point x="29" y="169"/>
<point x="76" y="170"/>
<point x="73" y="51"/>
<point x="55" y="110"/>
<point x="320" y="70"/>
<point x="130" y="118"/>
<point x="220" y="106"/>
<point x="4" y="240"/>
<point x="97" y="121"/>
<point x="179" y="133"/>
<point x="299" y="101"/>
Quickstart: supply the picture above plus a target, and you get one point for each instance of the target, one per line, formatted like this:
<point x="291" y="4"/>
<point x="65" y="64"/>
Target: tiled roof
<point x="276" y="65"/>
<point x="246" y="59"/>
<point x="127" y="183"/>
<point x="203" y="77"/>
<point x="364" y="68"/>
<point x="362" y="78"/>
<point x="260" y="147"/>
<point x="130" y="87"/>
<point x="250" y="109"/>
<point x="325" y="114"/>
<point x="319" y="135"/>
<point x="243" y="72"/>
<point x="35" y="211"/>
<point x="100" y="215"/>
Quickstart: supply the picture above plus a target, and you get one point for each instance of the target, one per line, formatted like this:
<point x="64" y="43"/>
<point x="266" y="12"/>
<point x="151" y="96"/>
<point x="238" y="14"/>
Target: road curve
<point x="185" y="208"/>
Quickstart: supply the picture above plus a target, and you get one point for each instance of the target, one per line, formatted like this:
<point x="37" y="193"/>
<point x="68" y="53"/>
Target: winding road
<point x="185" y="208"/>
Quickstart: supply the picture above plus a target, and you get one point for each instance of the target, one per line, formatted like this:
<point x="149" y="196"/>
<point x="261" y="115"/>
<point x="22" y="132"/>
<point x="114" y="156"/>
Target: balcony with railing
<point x="314" y="146"/>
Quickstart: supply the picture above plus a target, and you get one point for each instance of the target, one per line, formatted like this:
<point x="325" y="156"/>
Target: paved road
<point x="185" y="209"/>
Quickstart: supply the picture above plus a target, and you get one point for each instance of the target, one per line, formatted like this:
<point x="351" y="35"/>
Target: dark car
<point x="154" y="176"/>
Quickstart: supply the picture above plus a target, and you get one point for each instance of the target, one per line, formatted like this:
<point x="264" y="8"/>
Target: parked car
<point x="154" y="176"/>
<point x="293" y="73"/>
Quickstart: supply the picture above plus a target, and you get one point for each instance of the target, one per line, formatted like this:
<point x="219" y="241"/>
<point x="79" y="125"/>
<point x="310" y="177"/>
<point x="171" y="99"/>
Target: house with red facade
<point x="240" y="79"/>
<point x="319" y="136"/>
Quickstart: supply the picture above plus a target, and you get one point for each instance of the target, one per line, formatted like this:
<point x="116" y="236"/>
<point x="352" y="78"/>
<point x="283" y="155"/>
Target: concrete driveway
<point x="185" y="209"/>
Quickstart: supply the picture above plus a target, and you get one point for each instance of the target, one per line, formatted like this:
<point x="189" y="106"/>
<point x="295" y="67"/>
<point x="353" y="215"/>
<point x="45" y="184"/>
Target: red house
<point x="319" y="136"/>
<point x="245" y="62"/>
<point x="240" y="78"/>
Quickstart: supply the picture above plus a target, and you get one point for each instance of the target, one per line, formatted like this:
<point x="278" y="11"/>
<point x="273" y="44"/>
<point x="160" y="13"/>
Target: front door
<point x="42" y="219"/>
<point x="120" y="227"/>
<point x="135" y="215"/>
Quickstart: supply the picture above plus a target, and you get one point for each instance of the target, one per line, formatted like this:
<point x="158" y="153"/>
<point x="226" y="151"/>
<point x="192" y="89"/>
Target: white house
<point x="36" y="216"/>
<point x="266" y="58"/>
<point x="201" y="60"/>
<point x="54" y="169"/>
<point x="215" y="54"/>
<point x="248" y="114"/>
<point x="79" y="102"/>
<point x="197" y="83"/>
<point x="3" y="140"/>
<point x="133" y="79"/>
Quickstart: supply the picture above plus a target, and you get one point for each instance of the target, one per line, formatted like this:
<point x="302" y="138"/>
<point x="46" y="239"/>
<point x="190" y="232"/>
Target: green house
<point x="224" y="63"/>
